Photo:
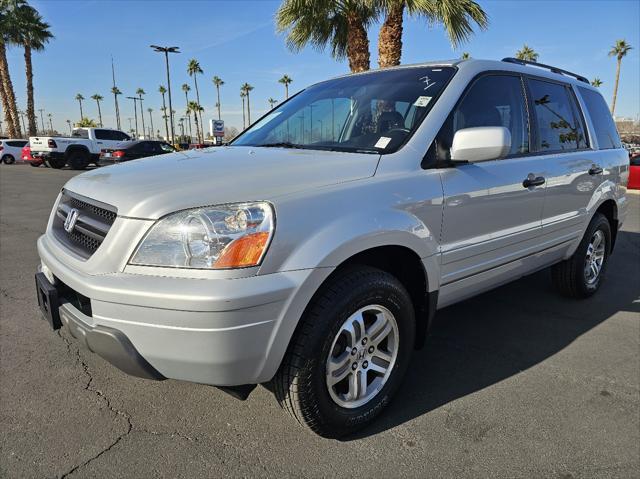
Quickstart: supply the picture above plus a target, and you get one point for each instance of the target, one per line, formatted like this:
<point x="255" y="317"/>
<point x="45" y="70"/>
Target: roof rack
<point x="548" y="67"/>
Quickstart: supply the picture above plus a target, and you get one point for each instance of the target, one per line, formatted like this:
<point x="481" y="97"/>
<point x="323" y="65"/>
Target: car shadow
<point x="487" y="339"/>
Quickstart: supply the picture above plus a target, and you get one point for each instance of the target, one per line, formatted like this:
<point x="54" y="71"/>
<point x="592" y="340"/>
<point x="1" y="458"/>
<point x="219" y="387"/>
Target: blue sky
<point x="236" y="40"/>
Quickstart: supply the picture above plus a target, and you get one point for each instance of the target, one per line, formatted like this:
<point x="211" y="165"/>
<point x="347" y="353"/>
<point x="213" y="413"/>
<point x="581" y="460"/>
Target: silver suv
<point x="311" y="254"/>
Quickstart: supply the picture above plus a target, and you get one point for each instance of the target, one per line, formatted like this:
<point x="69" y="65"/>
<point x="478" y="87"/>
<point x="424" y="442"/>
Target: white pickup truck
<point x="78" y="150"/>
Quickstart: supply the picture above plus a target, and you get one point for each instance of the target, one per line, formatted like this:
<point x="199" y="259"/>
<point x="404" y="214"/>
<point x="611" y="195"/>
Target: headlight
<point x="212" y="237"/>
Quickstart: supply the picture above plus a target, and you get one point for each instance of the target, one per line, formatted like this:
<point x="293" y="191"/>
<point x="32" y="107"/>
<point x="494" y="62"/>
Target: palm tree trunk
<point x="244" y="122"/>
<point x="166" y="122"/>
<point x="218" y="92"/>
<point x="8" y="96"/>
<point x="151" y="120"/>
<point x="99" y="113"/>
<point x="390" y="38"/>
<point x="248" y="110"/>
<point x="357" y="44"/>
<point x="115" y="97"/>
<point x="195" y="81"/>
<point x="286" y="91"/>
<point x="615" y="87"/>
<point x="144" y="128"/>
<point x="81" y="114"/>
<point x="31" y="111"/>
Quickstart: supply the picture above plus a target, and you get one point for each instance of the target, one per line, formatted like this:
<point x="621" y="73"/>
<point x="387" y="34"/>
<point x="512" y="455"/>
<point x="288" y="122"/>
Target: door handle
<point x="533" y="181"/>
<point x="595" y="170"/>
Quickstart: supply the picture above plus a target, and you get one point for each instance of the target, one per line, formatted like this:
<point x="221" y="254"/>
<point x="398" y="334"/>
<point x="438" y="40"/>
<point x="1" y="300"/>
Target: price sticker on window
<point x="422" y="101"/>
<point x="382" y="142"/>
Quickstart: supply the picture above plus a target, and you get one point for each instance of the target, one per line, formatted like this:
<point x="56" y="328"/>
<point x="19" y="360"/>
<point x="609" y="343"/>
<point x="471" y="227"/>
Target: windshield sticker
<point x="427" y="81"/>
<point x="422" y="101"/>
<point x="382" y="142"/>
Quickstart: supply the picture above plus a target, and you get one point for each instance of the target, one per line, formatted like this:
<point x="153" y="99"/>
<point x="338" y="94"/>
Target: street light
<point x="166" y="51"/>
<point x="135" y="111"/>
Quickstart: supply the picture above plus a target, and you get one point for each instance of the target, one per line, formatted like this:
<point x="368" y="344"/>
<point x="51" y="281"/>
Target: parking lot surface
<point x="517" y="382"/>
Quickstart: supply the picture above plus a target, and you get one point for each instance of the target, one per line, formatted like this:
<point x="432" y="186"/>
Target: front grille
<point x="94" y="220"/>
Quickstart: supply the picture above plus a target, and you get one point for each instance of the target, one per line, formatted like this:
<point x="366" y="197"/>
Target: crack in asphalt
<point x="71" y="349"/>
<point x="107" y="401"/>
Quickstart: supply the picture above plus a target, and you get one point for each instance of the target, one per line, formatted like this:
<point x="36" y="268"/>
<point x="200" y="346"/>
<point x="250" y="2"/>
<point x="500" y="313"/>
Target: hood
<point x="153" y="187"/>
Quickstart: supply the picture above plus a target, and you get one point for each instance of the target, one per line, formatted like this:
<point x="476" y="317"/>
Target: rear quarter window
<point x="605" y="128"/>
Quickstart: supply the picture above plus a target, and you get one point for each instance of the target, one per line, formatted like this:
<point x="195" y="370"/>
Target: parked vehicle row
<point x="10" y="150"/>
<point x="311" y="256"/>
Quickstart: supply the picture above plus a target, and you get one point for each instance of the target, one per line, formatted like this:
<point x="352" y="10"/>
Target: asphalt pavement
<point x="517" y="382"/>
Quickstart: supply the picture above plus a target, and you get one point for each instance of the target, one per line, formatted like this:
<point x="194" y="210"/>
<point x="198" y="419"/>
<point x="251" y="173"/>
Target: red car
<point x="634" y="172"/>
<point x="25" y="155"/>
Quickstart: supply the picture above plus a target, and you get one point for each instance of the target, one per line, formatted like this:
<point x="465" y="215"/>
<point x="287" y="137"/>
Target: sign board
<point x="218" y="127"/>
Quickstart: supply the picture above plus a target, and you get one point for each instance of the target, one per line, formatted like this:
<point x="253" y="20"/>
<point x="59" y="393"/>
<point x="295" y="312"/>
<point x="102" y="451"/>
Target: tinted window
<point x="606" y="132"/>
<point x="493" y="100"/>
<point x="119" y="136"/>
<point x="558" y="126"/>
<point x="103" y="134"/>
<point x="166" y="148"/>
<point x="635" y="161"/>
<point x="18" y="144"/>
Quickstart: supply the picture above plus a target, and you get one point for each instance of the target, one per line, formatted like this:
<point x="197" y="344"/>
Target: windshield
<point x="370" y="113"/>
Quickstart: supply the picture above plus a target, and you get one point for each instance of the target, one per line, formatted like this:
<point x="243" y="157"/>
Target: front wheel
<point x="581" y="275"/>
<point x="349" y="353"/>
<point x="8" y="159"/>
<point x="56" y="163"/>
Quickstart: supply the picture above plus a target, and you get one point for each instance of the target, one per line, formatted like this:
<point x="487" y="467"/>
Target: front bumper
<point x="223" y="332"/>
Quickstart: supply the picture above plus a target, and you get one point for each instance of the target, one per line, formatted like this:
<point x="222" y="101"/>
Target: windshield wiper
<point x="282" y="144"/>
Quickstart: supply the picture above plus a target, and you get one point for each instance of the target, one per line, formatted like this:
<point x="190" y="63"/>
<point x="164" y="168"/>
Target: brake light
<point x="1" y="147"/>
<point x="52" y="144"/>
<point x="118" y="153"/>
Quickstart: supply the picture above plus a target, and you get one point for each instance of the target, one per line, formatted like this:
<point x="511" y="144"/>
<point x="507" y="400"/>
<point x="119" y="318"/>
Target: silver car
<point x="311" y="254"/>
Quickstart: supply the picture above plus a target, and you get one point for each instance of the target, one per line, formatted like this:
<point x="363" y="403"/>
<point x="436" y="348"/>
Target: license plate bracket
<point x="48" y="301"/>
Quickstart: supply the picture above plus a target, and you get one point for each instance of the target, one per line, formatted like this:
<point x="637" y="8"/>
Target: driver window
<point x="493" y="100"/>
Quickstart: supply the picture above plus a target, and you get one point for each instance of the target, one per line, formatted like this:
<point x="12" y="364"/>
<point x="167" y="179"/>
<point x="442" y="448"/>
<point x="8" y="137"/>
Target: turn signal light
<point x="243" y="252"/>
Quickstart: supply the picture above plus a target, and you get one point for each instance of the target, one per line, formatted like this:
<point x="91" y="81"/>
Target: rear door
<point x="490" y="218"/>
<point x="571" y="168"/>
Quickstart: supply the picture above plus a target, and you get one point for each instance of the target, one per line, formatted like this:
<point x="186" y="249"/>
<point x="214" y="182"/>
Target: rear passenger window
<point x="493" y="100"/>
<point x="606" y="132"/>
<point x="102" y="134"/>
<point x="558" y="124"/>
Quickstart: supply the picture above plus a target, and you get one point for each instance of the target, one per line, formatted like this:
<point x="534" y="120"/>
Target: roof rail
<point x="548" y="67"/>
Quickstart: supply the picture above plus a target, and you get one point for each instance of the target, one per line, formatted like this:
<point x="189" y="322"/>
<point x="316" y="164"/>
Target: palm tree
<point x="457" y="17"/>
<point x="86" y="123"/>
<point x="272" y="103"/>
<point x="596" y="82"/>
<point x="32" y="33"/>
<point x="79" y="98"/>
<point x="465" y="55"/>
<point x="116" y="91"/>
<point x="50" y="117"/>
<point x="150" y="110"/>
<point x="243" y="95"/>
<point x="286" y="81"/>
<point x="162" y="90"/>
<point x="527" y="54"/>
<point x="247" y="88"/>
<point x="70" y="130"/>
<point x="7" y="94"/>
<point x="619" y="50"/>
<point x="340" y="24"/>
<point x="193" y="69"/>
<point x="186" y="89"/>
<point x="195" y="108"/>
<point x="141" y="92"/>
<point x="218" y="82"/>
<point x="98" y="98"/>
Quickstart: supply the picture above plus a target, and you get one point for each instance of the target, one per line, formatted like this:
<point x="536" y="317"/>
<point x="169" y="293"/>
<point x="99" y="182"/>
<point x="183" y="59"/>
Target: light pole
<point x="42" y="118"/>
<point x="135" y="111"/>
<point x="166" y="51"/>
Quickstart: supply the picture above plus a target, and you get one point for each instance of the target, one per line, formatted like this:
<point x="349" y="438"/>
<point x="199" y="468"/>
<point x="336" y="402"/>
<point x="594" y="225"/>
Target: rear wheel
<point x="56" y="163"/>
<point x="35" y="163"/>
<point x="349" y="353"/>
<point x="8" y="159"/>
<point x="78" y="160"/>
<point x="581" y="275"/>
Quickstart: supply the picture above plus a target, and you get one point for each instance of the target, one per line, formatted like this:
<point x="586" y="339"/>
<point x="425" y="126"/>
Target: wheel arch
<point x="75" y="148"/>
<point x="609" y="209"/>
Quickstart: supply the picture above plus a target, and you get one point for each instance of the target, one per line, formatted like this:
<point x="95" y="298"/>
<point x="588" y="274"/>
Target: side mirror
<point x="481" y="144"/>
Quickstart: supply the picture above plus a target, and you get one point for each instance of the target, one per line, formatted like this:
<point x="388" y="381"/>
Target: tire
<point x="78" y="160"/>
<point x="8" y="159"/>
<point x="571" y="277"/>
<point x="35" y="164"/>
<point x="301" y="385"/>
<point x="55" y="163"/>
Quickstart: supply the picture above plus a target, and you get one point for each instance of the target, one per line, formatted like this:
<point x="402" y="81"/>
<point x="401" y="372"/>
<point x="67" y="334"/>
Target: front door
<point x="492" y="210"/>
